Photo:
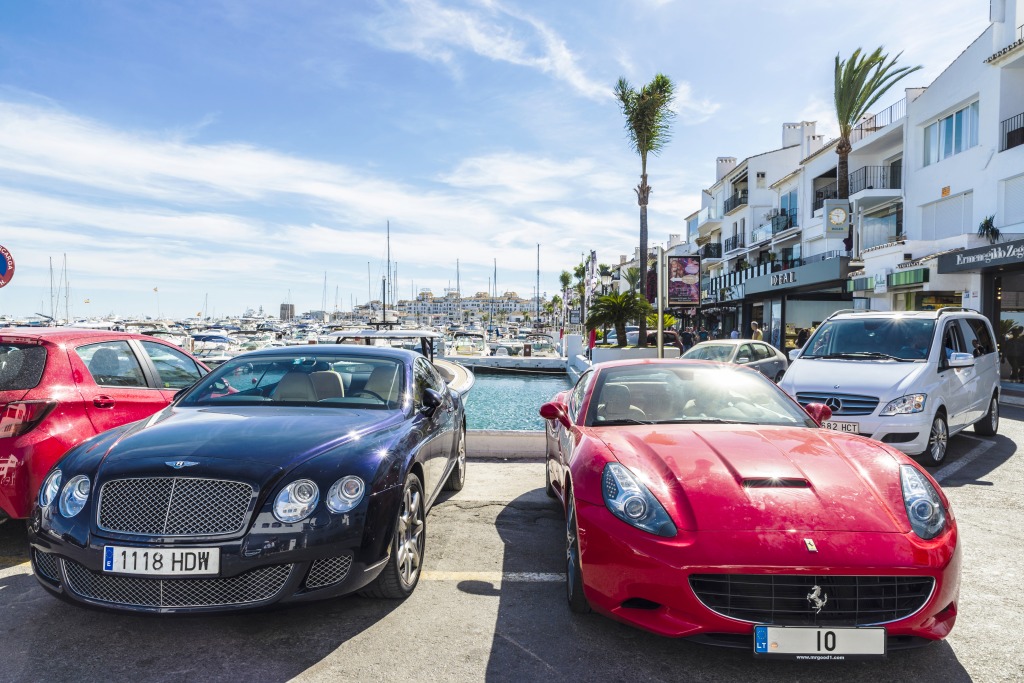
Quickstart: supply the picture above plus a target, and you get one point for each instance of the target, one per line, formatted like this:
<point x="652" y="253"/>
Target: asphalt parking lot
<point x="491" y="607"/>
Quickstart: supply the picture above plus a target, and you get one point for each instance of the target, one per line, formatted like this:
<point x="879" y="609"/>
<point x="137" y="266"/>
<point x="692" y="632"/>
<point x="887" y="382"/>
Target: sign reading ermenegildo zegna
<point x="1011" y="253"/>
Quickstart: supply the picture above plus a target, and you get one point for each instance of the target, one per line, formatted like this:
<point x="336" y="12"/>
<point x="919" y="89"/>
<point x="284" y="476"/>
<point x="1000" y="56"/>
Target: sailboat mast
<point x="538" y="285"/>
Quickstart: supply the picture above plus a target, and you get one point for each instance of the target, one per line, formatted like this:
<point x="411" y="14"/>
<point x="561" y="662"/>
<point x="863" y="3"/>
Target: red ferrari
<point x="701" y="501"/>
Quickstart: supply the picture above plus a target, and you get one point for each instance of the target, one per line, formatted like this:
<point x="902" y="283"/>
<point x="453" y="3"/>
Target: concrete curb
<point x="486" y="444"/>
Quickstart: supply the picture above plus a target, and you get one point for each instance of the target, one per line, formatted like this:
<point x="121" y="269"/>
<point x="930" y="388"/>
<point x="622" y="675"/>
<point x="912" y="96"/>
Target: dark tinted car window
<point x="21" y="366"/>
<point x="176" y="370"/>
<point x="979" y="341"/>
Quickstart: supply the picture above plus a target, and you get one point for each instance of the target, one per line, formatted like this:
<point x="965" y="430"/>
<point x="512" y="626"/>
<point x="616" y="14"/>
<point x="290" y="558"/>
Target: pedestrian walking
<point x="755" y="333"/>
<point x="1015" y="353"/>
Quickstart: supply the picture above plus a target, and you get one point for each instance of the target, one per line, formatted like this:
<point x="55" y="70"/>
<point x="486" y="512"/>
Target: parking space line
<point x="965" y="460"/>
<point x="493" y="577"/>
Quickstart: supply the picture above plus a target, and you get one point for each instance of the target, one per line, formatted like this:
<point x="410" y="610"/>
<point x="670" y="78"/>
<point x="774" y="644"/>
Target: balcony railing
<point x="879" y="121"/>
<point x="706" y="215"/>
<point x="761" y="233"/>
<point x="737" y="200"/>
<point x="711" y="250"/>
<point x="875" y="178"/>
<point x="734" y="242"/>
<point x="1011" y="132"/>
<point x="830" y="191"/>
<point x="784" y="220"/>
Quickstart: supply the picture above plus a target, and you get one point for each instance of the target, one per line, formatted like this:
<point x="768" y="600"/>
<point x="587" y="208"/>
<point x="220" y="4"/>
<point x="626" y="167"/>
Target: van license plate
<point x="848" y="427"/>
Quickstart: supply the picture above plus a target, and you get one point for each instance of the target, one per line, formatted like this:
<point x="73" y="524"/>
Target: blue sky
<point x="233" y="152"/>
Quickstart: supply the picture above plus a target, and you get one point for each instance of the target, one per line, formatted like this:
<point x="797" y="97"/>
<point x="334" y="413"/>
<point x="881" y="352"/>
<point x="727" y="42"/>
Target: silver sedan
<point x="759" y="355"/>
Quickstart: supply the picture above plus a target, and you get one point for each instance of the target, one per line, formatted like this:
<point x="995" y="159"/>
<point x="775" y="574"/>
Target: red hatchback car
<point x="60" y="386"/>
<point x="703" y="502"/>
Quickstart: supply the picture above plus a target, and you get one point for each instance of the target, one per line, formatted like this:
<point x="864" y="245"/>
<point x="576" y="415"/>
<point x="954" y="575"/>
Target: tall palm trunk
<point x="643" y="191"/>
<point x="843" y="149"/>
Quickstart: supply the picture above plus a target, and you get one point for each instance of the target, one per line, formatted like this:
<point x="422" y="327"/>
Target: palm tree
<point x="616" y="309"/>
<point x="859" y="83"/>
<point x="648" y="115"/>
<point x="632" y="276"/>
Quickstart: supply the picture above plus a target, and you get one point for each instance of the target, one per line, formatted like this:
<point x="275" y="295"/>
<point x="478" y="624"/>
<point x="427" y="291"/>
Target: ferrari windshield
<point x="685" y="393"/>
<point x="896" y="339"/>
<point x="340" y="381"/>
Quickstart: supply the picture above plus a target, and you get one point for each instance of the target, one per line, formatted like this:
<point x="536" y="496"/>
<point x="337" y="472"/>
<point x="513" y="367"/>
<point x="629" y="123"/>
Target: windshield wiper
<point x="863" y="355"/>
<point x="622" y="421"/>
<point x="707" y="420"/>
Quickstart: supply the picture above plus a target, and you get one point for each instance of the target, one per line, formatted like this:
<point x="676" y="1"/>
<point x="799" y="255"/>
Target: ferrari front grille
<point x="254" y="586"/>
<point x="328" y="571"/>
<point x="807" y="600"/>
<point x="174" y="506"/>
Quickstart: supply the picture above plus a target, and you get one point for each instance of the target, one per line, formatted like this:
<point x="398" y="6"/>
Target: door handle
<point x="103" y="401"/>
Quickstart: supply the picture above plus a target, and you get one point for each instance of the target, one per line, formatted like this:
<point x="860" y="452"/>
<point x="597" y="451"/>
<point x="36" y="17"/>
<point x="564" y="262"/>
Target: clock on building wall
<point x="837" y="217"/>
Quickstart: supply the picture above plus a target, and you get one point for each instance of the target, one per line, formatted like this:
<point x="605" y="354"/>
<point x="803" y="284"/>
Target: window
<point x="976" y="336"/>
<point x="576" y="397"/>
<point x="951" y="135"/>
<point x="176" y="370"/>
<point x="948" y="217"/>
<point x="112" y="364"/>
<point x="745" y="354"/>
<point x="762" y="352"/>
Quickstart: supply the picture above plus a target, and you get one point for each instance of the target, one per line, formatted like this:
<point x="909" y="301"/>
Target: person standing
<point x="735" y="334"/>
<point x="801" y="338"/>
<point x="687" y="337"/>
<point x="755" y="333"/>
<point x="1015" y="353"/>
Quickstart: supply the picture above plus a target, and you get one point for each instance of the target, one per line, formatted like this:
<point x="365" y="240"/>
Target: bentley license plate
<point x="848" y="427"/>
<point x="161" y="561"/>
<point x="814" y="643"/>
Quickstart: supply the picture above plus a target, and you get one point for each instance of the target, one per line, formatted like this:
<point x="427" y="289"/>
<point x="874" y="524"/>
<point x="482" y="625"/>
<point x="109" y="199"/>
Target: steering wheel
<point x="374" y="394"/>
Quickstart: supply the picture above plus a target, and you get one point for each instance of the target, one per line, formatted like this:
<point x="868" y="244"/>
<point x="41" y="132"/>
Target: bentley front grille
<point x="174" y="506"/>
<point x="841" y="404"/>
<point x="328" y="571"/>
<point x="804" y="600"/>
<point x="253" y="586"/>
<point x="46" y="566"/>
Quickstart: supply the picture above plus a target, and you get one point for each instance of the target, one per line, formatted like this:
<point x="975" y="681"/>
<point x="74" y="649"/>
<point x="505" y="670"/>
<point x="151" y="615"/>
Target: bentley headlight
<point x="296" y="501"/>
<point x="49" y="489"/>
<point x="75" y="495"/>
<point x="924" y="507"/>
<point x="345" y="494"/>
<point x="629" y="500"/>
<point x="905" y="405"/>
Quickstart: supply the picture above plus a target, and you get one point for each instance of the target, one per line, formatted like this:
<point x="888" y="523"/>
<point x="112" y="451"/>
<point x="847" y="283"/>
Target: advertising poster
<point x="683" y="281"/>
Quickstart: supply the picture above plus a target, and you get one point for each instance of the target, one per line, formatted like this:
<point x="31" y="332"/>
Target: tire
<point x="574" y="571"/>
<point x="989" y="424"/>
<point x="779" y="375"/>
<point x="548" y="488"/>
<point x="457" y="478"/>
<point x="402" y="572"/>
<point x="938" y="441"/>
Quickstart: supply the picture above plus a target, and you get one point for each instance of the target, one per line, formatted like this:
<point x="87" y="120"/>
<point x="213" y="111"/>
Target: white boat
<point x="471" y="344"/>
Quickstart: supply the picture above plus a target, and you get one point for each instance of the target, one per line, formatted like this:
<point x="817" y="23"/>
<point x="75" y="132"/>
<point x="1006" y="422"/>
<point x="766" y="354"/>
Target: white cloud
<point x="436" y="33"/>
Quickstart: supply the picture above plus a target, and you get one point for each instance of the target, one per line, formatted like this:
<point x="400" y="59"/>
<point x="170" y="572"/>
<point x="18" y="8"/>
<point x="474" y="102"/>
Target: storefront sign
<point x="784" y="278"/>
<point x="882" y="282"/>
<point x="1009" y="254"/>
<point x="908" y="277"/>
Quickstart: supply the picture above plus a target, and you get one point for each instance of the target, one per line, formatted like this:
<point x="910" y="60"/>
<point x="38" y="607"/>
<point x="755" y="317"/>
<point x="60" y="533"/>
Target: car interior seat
<point x="105" y="366"/>
<point x="616" y="404"/>
<point x="295" y="386"/>
<point x="327" y="384"/>
<point x="383" y="381"/>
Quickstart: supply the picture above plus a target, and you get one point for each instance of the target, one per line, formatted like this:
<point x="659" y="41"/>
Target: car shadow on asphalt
<point x="536" y="637"/>
<point x="974" y="472"/>
<point x="46" y="639"/>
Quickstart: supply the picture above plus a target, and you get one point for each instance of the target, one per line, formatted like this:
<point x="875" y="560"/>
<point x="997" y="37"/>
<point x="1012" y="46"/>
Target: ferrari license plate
<point x="848" y="427"/>
<point x="810" y="643"/>
<point x="161" y="561"/>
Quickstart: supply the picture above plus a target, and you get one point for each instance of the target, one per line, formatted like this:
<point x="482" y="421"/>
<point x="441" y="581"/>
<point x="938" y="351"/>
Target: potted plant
<point x="987" y="229"/>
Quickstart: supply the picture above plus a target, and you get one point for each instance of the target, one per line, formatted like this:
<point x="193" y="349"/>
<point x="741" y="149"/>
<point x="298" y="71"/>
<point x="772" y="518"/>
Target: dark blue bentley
<point x="285" y="475"/>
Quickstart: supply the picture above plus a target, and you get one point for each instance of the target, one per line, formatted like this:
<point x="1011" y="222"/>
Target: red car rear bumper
<point x="24" y="462"/>
<point x="644" y="580"/>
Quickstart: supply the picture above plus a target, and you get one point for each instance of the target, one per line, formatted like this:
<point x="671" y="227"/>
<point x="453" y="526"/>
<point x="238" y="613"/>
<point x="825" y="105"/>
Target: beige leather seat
<point x="383" y="381"/>
<point x="295" y="386"/>
<point x="327" y="384"/>
<point x="616" y="404"/>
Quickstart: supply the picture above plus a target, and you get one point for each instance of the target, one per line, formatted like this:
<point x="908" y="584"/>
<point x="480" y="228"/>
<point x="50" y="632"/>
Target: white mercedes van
<point x="909" y="379"/>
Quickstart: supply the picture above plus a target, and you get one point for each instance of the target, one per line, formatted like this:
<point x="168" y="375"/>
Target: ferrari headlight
<point x="629" y="500"/>
<point x="75" y="495"/>
<point x="904" y="405"/>
<point x="49" y="489"/>
<point x="924" y="507"/>
<point x="296" y="501"/>
<point x="345" y="494"/>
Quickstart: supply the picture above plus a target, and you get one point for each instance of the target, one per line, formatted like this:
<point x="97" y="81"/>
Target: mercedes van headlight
<point x="905" y="405"/>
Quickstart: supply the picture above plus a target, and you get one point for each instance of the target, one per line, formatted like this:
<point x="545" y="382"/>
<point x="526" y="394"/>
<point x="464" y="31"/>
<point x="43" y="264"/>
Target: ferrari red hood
<point x="750" y="478"/>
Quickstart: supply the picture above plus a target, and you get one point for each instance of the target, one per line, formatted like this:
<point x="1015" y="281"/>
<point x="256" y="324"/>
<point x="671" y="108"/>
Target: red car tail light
<point x="19" y="417"/>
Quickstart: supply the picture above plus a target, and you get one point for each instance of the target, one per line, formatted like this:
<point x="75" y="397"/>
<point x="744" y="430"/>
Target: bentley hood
<point x="757" y="478"/>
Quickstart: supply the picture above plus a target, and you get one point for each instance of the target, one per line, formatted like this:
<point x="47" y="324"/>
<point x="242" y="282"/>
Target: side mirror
<point x="819" y="412"/>
<point x="555" y="410"/>
<point x="742" y="360"/>
<point x="431" y="400"/>
<point x="794" y="354"/>
<point x="960" y="360"/>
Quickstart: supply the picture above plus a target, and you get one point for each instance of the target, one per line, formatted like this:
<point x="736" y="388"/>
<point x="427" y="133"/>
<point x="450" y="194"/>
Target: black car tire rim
<point x="993" y="415"/>
<point x="410" y="535"/>
<point x="574" y="572"/>
<point x="938" y="440"/>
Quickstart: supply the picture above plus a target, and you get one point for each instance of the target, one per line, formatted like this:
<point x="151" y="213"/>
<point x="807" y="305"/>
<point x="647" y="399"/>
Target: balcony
<point x="830" y="191"/>
<point x="733" y="243"/>
<point x="712" y="250"/>
<point x="784" y="220"/>
<point x="734" y="202"/>
<point x="879" y="121"/>
<point x="707" y="221"/>
<point x="1011" y="132"/>
<point x="761" y="233"/>
<point x="875" y="178"/>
